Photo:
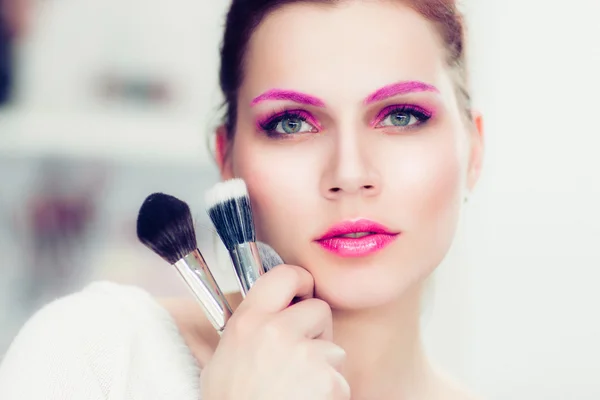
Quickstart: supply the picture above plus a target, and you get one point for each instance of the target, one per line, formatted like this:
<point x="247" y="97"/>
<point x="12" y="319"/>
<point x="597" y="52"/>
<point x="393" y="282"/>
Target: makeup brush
<point x="269" y="257"/>
<point x="228" y="205"/>
<point x="165" y="225"/>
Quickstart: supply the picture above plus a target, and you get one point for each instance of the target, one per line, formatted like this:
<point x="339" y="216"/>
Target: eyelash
<point x="421" y="114"/>
<point x="269" y="125"/>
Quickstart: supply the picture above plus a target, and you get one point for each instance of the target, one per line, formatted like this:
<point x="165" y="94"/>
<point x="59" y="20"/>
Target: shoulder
<point x="447" y="388"/>
<point x="453" y="391"/>
<point x="196" y="329"/>
<point x="99" y="311"/>
<point x="103" y="311"/>
<point x="109" y="336"/>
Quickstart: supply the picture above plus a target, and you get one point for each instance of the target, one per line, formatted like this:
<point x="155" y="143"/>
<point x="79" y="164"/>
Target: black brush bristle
<point x="165" y="225"/>
<point x="231" y="214"/>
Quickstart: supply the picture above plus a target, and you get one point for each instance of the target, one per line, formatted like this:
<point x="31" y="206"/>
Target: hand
<point x="272" y="351"/>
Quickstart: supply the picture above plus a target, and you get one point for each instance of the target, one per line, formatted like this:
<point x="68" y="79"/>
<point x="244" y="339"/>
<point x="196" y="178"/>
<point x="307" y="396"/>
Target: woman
<point x="351" y="124"/>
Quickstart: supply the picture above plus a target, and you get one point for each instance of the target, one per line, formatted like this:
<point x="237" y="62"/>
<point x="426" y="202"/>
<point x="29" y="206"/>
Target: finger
<point x="343" y="388"/>
<point x="331" y="353"/>
<point x="310" y="318"/>
<point x="276" y="289"/>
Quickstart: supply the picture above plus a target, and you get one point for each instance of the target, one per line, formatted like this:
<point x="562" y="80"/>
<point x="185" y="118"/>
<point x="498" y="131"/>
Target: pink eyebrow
<point x="396" y="89"/>
<point x="296" y="97"/>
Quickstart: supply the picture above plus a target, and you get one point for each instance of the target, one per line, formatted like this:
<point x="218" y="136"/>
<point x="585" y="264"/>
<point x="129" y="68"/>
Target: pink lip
<point x="379" y="238"/>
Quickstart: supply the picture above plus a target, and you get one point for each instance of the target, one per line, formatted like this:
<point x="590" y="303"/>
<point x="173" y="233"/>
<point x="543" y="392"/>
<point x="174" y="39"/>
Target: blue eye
<point x="293" y="125"/>
<point x="402" y="116"/>
<point x="289" y="123"/>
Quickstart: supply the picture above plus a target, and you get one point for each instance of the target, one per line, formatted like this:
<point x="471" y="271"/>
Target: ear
<point x="222" y="153"/>
<point x="476" y="150"/>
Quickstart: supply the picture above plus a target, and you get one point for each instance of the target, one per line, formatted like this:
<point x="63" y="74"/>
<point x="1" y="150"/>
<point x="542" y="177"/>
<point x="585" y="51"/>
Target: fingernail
<point x="338" y="353"/>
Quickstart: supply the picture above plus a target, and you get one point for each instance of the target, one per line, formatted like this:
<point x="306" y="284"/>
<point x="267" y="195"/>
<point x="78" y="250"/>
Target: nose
<point x="351" y="168"/>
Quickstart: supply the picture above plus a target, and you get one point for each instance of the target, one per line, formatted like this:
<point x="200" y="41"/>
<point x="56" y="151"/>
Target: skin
<point x="412" y="180"/>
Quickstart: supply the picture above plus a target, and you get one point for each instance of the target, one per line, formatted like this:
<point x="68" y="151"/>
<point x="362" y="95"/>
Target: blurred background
<point x="104" y="102"/>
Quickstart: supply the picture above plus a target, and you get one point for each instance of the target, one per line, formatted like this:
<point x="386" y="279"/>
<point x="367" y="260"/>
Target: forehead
<point x="342" y="51"/>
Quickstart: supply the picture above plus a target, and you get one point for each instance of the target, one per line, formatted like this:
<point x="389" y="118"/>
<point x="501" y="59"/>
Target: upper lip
<point x="361" y="225"/>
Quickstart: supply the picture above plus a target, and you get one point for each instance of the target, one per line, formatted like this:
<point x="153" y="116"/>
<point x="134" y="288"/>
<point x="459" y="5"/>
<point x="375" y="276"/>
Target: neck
<point x="385" y="356"/>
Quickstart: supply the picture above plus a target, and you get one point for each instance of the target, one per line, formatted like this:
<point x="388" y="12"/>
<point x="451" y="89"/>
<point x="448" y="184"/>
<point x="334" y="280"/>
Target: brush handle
<point x="196" y="274"/>
<point x="247" y="265"/>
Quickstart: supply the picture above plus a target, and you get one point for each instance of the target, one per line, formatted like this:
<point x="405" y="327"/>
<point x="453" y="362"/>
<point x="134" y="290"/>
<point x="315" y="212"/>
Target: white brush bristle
<point x="227" y="190"/>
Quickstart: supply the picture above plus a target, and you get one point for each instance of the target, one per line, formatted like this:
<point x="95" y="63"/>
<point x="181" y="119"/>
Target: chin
<point x="379" y="280"/>
<point x="361" y="284"/>
<point x="357" y="295"/>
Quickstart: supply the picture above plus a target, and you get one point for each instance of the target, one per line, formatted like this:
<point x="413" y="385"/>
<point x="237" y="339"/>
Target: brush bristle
<point x="269" y="257"/>
<point x="228" y="206"/>
<point x="165" y="225"/>
<point x="222" y="191"/>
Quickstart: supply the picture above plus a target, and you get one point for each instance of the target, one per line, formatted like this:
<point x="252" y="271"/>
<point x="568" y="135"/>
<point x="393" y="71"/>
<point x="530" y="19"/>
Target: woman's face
<point x="348" y="113"/>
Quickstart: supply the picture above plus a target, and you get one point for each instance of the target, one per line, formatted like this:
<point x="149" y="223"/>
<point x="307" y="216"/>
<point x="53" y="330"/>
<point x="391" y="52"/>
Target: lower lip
<point x="357" y="247"/>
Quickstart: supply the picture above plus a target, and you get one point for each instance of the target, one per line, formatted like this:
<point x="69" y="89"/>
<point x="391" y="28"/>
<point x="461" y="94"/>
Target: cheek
<point x="426" y="178"/>
<point x="283" y="187"/>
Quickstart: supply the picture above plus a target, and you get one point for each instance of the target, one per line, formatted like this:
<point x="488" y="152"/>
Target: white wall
<point x="75" y="40"/>
<point x="535" y="222"/>
<point x="516" y="311"/>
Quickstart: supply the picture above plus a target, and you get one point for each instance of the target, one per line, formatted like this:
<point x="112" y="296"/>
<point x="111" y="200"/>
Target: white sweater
<point x="107" y="342"/>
